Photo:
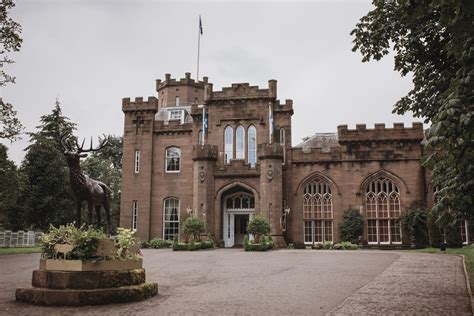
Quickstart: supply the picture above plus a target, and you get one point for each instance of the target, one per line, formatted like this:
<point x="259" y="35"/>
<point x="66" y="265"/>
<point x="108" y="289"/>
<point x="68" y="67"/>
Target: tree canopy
<point x="432" y="41"/>
<point x="10" y="41"/>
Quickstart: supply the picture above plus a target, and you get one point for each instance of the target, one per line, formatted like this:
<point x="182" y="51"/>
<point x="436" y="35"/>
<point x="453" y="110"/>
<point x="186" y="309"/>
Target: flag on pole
<point x="270" y="121"/>
<point x="204" y="124"/>
<point x="200" y="24"/>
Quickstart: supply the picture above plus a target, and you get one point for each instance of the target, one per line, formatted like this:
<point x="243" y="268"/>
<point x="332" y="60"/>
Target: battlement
<point x="270" y="151"/>
<point x="187" y="80"/>
<point x="140" y="105"/>
<point x="380" y="133"/>
<point x="242" y="91"/>
<point x="205" y="152"/>
<point x="283" y="107"/>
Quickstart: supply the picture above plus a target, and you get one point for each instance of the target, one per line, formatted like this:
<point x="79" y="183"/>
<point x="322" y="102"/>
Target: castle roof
<point x="320" y="140"/>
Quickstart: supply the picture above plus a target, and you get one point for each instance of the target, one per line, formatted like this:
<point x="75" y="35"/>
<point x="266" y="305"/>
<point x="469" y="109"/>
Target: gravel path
<point x="298" y="282"/>
<point x="416" y="284"/>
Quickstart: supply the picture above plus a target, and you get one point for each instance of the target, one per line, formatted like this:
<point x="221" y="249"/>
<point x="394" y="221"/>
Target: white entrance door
<point x="236" y="204"/>
<point x="229" y="229"/>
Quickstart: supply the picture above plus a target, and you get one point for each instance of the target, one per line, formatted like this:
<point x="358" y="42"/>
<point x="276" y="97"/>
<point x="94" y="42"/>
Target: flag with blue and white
<point x="271" y="124"/>
<point x="204" y="125"/>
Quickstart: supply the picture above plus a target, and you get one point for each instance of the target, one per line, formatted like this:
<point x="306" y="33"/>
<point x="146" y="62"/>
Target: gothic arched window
<point x="240" y="143"/>
<point x="252" y="145"/>
<point x="317" y="212"/>
<point x="382" y="207"/>
<point x="228" y="144"/>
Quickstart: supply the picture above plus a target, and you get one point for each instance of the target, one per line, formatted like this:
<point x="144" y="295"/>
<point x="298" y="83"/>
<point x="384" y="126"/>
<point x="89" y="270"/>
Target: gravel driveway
<point x="298" y="282"/>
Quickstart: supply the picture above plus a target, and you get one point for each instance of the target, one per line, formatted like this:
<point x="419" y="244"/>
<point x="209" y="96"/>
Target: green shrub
<point x="85" y="241"/>
<point x="290" y="246"/>
<point x="435" y="233"/>
<point x="124" y="240"/>
<point x="159" y="243"/>
<point x="193" y="226"/>
<point x="265" y="244"/>
<point x="347" y="245"/>
<point x="327" y="245"/>
<point x="258" y="226"/>
<point x="317" y="245"/>
<point x="453" y="235"/>
<point x="352" y="226"/>
<point x="337" y="247"/>
<point x="144" y="244"/>
<point x="415" y="222"/>
<point x="193" y="245"/>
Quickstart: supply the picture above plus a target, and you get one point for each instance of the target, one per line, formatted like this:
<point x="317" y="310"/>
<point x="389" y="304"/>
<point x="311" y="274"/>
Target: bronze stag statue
<point x="94" y="192"/>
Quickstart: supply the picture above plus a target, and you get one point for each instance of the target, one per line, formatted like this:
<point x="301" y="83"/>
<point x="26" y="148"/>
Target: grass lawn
<point x="467" y="251"/>
<point x="11" y="251"/>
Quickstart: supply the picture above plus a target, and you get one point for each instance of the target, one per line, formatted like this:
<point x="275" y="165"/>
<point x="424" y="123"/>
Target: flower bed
<point x="328" y="245"/>
<point x="193" y="245"/>
<point x="264" y="245"/>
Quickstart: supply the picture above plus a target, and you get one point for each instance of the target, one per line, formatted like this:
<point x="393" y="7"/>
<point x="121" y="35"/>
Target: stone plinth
<point x="78" y="283"/>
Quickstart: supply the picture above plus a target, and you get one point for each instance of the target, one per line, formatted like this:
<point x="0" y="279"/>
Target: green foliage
<point x="10" y="185"/>
<point x="453" y="235"/>
<point x="352" y="226"/>
<point x="144" y="244"/>
<point x="415" y="221"/>
<point x="258" y="226"/>
<point x="317" y="245"/>
<point x="347" y="245"/>
<point x="193" y="226"/>
<point x="264" y="245"/>
<point x="47" y="197"/>
<point x="85" y="241"/>
<point x="194" y="245"/>
<point x="10" y="126"/>
<point x="432" y="41"/>
<point x="434" y="231"/>
<point x="124" y="240"/>
<point x="327" y="244"/>
<point x="158" y="243"/>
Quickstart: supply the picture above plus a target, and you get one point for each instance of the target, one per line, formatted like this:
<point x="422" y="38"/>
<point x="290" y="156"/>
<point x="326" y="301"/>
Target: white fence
<point x="19" y="238"/>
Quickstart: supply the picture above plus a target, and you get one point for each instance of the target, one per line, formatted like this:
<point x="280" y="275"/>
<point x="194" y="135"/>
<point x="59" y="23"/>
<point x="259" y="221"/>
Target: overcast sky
<point x="93" y="53"/>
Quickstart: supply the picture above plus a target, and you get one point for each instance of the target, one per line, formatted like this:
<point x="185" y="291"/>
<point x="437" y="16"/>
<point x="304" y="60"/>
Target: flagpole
<point x="199" y="47"/>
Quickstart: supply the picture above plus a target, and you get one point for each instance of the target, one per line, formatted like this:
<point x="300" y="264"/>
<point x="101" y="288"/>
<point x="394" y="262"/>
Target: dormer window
<point x="175" y="115"/>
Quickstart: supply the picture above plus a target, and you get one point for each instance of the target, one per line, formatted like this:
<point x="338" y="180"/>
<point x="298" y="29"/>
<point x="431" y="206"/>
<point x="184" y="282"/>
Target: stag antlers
<point x="68" y="144"/>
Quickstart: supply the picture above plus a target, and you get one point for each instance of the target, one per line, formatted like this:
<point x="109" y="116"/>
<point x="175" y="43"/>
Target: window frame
<point x="228" y="147"/>
<point x="167" y="158"/>
<point x="165" y="207"/>
<point x="242" y="142"/>
<point x="137" y="161"/>
<point x="383" y="196"/>
<point x="172" y="115"/>
<point x="134" y="215"/>
<point x="251" y="152"/>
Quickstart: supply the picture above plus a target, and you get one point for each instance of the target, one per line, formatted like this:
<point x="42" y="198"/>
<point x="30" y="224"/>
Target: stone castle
<point x="244" y="163"/>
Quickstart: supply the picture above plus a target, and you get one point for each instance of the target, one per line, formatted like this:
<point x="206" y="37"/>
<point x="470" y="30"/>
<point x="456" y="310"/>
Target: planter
<point x="90" y="265"/>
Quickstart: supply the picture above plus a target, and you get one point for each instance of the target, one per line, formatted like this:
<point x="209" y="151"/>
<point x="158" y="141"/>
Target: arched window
<point x="463" y="224"/>
<point x="240" y="201"/>
<point x="200" y="137"/>
<point x="240" y="143"/>
<point x="317" y="212"/>
<point x="252" y="146"/>
<point x="282" y="136"/>
<point x="171" y="218"/>
<point x="228" y="144"/>
<point x="173" y="159"/>
<point x="382" y="207"/>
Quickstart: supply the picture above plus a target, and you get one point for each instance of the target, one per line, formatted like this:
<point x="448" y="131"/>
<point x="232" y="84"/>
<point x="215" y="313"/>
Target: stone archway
<point x="233" y="189"/>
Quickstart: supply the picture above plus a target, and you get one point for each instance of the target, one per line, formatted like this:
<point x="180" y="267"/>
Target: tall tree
<point x="10" y="184"/>
<point x="47" y="197"/>
<point x="432" y="41"/>
<point x="10" y="41"/>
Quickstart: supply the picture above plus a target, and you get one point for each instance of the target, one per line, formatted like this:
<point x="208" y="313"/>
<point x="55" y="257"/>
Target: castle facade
<point x="241" y="162"/>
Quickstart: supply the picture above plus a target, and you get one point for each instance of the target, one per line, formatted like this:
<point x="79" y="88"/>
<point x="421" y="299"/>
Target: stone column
<point x="271" y="188"/>
<point x="204" y="157"/>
